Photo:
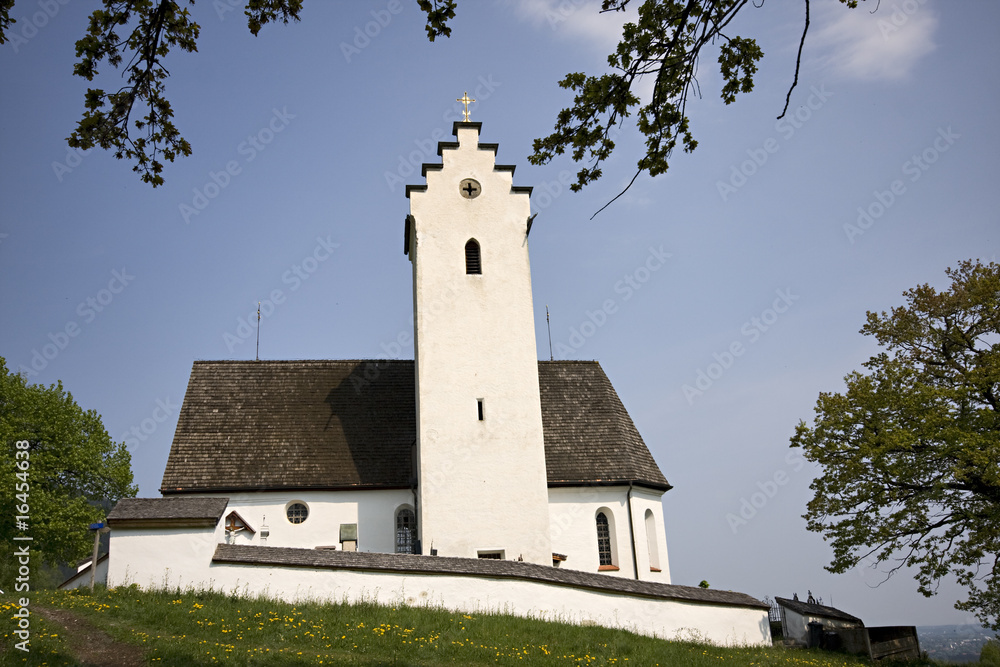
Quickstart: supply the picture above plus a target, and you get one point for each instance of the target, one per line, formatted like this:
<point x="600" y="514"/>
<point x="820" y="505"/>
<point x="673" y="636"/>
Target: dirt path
<point x="89" y="645"/>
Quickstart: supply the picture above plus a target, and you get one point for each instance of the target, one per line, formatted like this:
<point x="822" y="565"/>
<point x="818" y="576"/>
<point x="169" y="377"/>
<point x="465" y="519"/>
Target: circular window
<point x="297" y="513"/>
<point x="470" y="188"/>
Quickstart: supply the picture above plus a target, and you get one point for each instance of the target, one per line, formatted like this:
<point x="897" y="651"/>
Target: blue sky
<point x="780" y="235"/>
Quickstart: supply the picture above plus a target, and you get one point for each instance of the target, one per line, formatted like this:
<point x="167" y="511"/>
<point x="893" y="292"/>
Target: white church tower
<point x="482" y="488"/>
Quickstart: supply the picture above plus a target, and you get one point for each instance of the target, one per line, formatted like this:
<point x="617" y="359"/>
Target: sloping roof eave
<point x="566" y="483"/>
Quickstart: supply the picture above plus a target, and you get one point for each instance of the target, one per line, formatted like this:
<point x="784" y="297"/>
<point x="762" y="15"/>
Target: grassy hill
<point x="125" y="627"/>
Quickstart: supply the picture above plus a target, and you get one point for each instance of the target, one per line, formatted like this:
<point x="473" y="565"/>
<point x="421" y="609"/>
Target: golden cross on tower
<point x="465" y="99"/>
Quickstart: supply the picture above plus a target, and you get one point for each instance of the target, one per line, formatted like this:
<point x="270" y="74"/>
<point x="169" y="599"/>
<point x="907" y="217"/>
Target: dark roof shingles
<point x="167" y="509"/>
<point x="294" y="424"/>
<point x="589" y="436"/>
<point x="812" y="609"/>
<point x="352" y="424"/>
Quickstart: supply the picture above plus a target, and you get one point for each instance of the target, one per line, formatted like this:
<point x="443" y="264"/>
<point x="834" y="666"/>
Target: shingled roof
<point x="270" y="425"/>
<point x="589" y="436"/>
<point x="172" y="512"/>
<point x="813" y="609"/>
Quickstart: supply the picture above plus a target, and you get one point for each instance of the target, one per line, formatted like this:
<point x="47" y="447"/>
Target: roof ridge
<point x="299" y="361"/>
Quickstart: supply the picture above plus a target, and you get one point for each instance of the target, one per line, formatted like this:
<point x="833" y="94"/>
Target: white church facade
<point x="473" y="477"/>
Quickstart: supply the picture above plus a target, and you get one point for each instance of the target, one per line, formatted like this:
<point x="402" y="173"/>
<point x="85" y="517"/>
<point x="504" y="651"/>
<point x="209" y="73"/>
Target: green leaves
<point x="580" y="129"/>
<point x="108" y="119"/>
<point x="261" y="12"/>
<point x="439" y="12"/>
<point x="150" y="30"/>
<point x="737" y="56"/>
<point x="72" y="468"/>
<point x="911" y="451"/>
<point x="665" y="44"/>
<point x="5" y="19"/>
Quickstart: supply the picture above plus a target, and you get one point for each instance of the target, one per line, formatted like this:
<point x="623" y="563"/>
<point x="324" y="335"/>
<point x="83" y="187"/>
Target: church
<point x="474" y="477"/>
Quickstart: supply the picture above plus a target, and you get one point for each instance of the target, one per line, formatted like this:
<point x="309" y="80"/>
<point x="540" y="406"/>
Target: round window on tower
<point x="470" y="188"/>
<point x="296" y="512"/>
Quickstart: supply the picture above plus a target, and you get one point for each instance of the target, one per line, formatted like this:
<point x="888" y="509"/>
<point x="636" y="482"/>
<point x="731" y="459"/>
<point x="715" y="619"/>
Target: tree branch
<point x="798" y="63"/>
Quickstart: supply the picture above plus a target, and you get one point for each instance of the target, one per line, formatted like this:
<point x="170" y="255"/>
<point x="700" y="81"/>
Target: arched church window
<point x="297" y="512"/>
<point x="651" y="542"/>
<point x="473" y="264"/>
<point x="406" y="531"/>
<point x="604" y="540"/>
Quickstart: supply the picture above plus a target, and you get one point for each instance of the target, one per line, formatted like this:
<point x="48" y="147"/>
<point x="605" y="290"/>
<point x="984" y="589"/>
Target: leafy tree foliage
<point x="439" y="12"/>
<point x="70" y="469"/>
<point x="106" y="117"/>
<point x="666" y="43"/>
<point x="910" y="453"/>
<point x="5" y="20"/>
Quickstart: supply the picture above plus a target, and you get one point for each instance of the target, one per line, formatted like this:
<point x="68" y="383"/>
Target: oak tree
<point x="665" y="43"/>
<point x="910" y="452"/>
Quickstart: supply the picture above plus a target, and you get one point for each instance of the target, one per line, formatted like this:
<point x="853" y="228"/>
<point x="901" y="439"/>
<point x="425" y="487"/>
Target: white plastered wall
<point x="650" y="543"/>
<point x="482" y="482"/>
<point x="373" y="510"/>
<point x="82" y="577"/>
<point x="572" y="518"/>
<point x="161" y="557"/>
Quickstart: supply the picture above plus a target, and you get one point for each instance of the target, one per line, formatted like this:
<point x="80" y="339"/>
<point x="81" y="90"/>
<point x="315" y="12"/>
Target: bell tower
<point x="482" y="487"/>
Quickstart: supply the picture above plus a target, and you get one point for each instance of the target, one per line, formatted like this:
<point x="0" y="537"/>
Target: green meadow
<point x="193" y="629"/>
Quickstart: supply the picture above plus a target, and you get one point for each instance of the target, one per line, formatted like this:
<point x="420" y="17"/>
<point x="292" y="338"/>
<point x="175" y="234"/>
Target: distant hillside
<point x="953" y="643"/>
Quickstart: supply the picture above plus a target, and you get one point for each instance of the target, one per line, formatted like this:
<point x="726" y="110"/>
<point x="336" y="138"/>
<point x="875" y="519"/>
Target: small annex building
<point x="797" y="617"/>
<point x="473" y="477"/>
<point x="811" y="624"/>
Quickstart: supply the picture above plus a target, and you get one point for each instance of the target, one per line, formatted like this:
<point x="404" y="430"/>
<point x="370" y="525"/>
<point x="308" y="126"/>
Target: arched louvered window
<point x="473" y="264"/>
<point x="604" y="539"/>
<point x="406" y="531"/>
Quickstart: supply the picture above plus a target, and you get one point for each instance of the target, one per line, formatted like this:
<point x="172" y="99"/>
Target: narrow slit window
<point x="479" y="406"/>
<point x="473" y="264"/>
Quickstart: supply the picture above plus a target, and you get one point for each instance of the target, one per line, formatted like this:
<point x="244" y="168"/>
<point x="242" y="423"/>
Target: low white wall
<point x="182" y="558"/>
<point x="667" y="619"/>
